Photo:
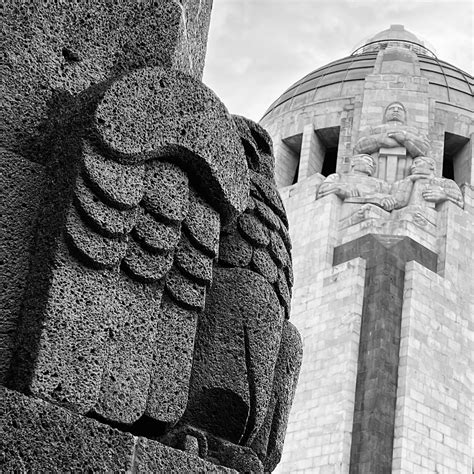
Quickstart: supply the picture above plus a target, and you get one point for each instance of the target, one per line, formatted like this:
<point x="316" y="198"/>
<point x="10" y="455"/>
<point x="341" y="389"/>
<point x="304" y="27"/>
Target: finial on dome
<point x="396" y="35"/>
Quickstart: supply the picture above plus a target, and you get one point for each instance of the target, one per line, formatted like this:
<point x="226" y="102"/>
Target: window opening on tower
<point x="457" y="158"/>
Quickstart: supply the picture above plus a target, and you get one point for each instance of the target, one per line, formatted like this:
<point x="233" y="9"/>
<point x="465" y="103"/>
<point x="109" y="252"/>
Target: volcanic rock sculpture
<point x="157" y="298"/>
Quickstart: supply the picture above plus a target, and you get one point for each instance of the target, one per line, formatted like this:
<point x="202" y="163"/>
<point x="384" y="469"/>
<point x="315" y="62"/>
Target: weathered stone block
<point x="39" y="437"/>
<point x="55" y="46"/>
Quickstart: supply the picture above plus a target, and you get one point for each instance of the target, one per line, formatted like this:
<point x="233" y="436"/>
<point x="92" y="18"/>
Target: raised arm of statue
<point x="372" y="144"/>
<point x="416" y="145"/>
<point x="442" y="189"/>
<point x="333" y="185"/>
<point x="367" y="145"/>
<point x="401" y="192"/>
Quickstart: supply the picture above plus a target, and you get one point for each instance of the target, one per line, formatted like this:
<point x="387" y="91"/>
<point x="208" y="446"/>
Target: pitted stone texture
<point x="193" y="262"/>
<point x="266" y="191"/>
<point x="107" y="220"/>
<point x="155" y="112"/>
<point x="125" y="190"/>
<point x="283" y="291"/>
<point x="234" y="250"/>
<point x="154" y="457"/>
<point x="191" y="50"/>
<point x="155" y="235"/>
<point x="268" y="443"/>
<point x="145" y="266"/>
<point x="186" y="291"/>
<point x="21" y="188"/>
<point x="166" y="191"/>
<point x="58" y="46"/>
<point x="253" y="230"/>
<point x="97" y="251"/>
<point x="40" y="437"/>
<point x="267" y="215"/>
<point x="171" y="368"/>
<point x="63" y="337"/>
<point x="67" y="336"/>
<point x="258" y="239"/>
<point x="237" y="344"/>
<point x="258" y="146"/>
<point x="202" y="225"/>
<point x="131" y="347"/>
<point x="262" y="263"/>
<point x="241" y="458"/>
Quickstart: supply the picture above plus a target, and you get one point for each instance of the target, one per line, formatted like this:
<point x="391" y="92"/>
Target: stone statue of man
<point x="422" y="186"/>
<point x="393" y="133"/>
<point x="358" y="185"/>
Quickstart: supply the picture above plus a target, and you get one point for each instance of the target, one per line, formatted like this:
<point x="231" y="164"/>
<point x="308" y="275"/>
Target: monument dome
<point x="331" y="98"/>
<point x="346" y="75"/>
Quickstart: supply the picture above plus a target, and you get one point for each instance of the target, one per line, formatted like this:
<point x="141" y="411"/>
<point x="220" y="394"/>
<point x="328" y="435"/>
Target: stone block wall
<point x="426" y="281"/>
<point x="322" y="414"/>
<point x="433" y="431"/>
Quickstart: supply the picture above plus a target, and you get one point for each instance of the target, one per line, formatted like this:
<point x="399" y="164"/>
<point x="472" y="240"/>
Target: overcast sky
<point x="258" y="48"/>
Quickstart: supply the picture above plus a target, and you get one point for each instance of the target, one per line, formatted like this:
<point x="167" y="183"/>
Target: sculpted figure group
<point x="420" y="188"/>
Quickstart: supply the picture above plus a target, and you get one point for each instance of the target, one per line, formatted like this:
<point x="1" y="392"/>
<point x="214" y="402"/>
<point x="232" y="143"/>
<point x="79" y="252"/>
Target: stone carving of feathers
<point x="240" y="384"/>
<point x="160" y="170"/>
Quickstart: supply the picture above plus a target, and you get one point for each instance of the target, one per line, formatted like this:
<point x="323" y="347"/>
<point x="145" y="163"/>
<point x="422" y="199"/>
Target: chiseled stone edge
<point x="40" y="437"/>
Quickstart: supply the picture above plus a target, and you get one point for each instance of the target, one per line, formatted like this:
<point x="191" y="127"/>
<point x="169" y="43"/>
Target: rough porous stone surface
<point x="238" y="339"/>
<point x="97" y="197"/>
<point x="76" y="311"/>
<point x="39" y="437"/>
<point x="53" y="47"/>
<point x="180" y="120"/>
<point x="268" y="444"/>
<point x="21" y="190"/>
<point x="259" y="239"/>
<point x="131" y="350"/>
<point x="244" y="376"/>
<point x="154" y="457"/>
<point x="172" y="360"/>
<point x="146" y="176"/>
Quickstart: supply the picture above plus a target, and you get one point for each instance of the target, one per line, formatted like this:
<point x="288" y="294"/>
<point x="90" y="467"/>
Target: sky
<point x="259" y="48"/>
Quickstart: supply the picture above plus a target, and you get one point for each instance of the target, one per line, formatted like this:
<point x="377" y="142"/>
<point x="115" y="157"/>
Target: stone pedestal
<point x="40" y="437"/>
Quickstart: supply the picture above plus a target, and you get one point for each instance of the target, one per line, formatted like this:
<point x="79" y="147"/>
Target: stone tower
<point x="374" y="160"/>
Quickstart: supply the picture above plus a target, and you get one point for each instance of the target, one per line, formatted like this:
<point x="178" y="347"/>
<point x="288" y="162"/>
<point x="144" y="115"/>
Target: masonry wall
<point x="434" y="400"/>
<point x="433" y="413"/>
<point x="327" y="307"/>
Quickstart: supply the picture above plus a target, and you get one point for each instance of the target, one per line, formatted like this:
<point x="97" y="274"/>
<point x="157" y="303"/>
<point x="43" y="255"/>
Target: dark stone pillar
<point x="377" y="372"/>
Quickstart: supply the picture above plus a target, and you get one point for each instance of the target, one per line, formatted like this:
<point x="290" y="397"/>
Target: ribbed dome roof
<point x="345" y="76"/>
